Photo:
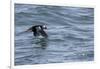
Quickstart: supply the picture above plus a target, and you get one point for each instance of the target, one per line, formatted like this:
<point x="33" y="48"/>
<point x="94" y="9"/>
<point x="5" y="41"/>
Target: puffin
<point x="38" y="30"/>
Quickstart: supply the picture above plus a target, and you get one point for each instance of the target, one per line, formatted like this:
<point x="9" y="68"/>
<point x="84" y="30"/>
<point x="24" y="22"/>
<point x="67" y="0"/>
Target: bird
<point x="38" y="30"/>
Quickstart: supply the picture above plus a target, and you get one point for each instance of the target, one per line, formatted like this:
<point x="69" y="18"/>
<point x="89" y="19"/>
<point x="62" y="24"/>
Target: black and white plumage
<point x="38" y="30"/>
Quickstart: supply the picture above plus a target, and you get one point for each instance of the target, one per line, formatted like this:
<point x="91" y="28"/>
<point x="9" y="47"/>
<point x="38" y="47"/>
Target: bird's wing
<point x="43" y="33"/>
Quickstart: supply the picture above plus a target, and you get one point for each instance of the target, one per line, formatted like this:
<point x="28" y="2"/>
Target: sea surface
<point x="70" y="34"/>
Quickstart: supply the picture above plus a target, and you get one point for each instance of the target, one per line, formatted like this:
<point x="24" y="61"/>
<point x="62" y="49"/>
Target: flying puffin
<point x="38" y="30"/>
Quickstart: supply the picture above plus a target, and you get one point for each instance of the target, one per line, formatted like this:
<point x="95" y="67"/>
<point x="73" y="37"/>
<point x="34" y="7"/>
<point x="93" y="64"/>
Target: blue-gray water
<point x="70" y="31"/>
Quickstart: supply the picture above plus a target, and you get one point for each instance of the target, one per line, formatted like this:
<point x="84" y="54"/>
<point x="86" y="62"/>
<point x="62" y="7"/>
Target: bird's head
<point x="44" y="27"/>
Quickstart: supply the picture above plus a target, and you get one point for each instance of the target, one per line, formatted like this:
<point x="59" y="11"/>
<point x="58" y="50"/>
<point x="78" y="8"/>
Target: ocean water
<point x="70" y="31"/>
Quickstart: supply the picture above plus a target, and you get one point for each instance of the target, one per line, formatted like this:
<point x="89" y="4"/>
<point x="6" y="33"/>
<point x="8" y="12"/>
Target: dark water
<point x="70" y="30"/>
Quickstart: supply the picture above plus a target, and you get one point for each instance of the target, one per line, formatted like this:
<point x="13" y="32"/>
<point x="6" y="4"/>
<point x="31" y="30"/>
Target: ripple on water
<point x="70" y="31"/>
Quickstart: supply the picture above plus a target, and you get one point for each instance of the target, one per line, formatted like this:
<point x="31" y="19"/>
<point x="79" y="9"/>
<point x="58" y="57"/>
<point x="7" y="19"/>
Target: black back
<point x="38" y="30"/>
